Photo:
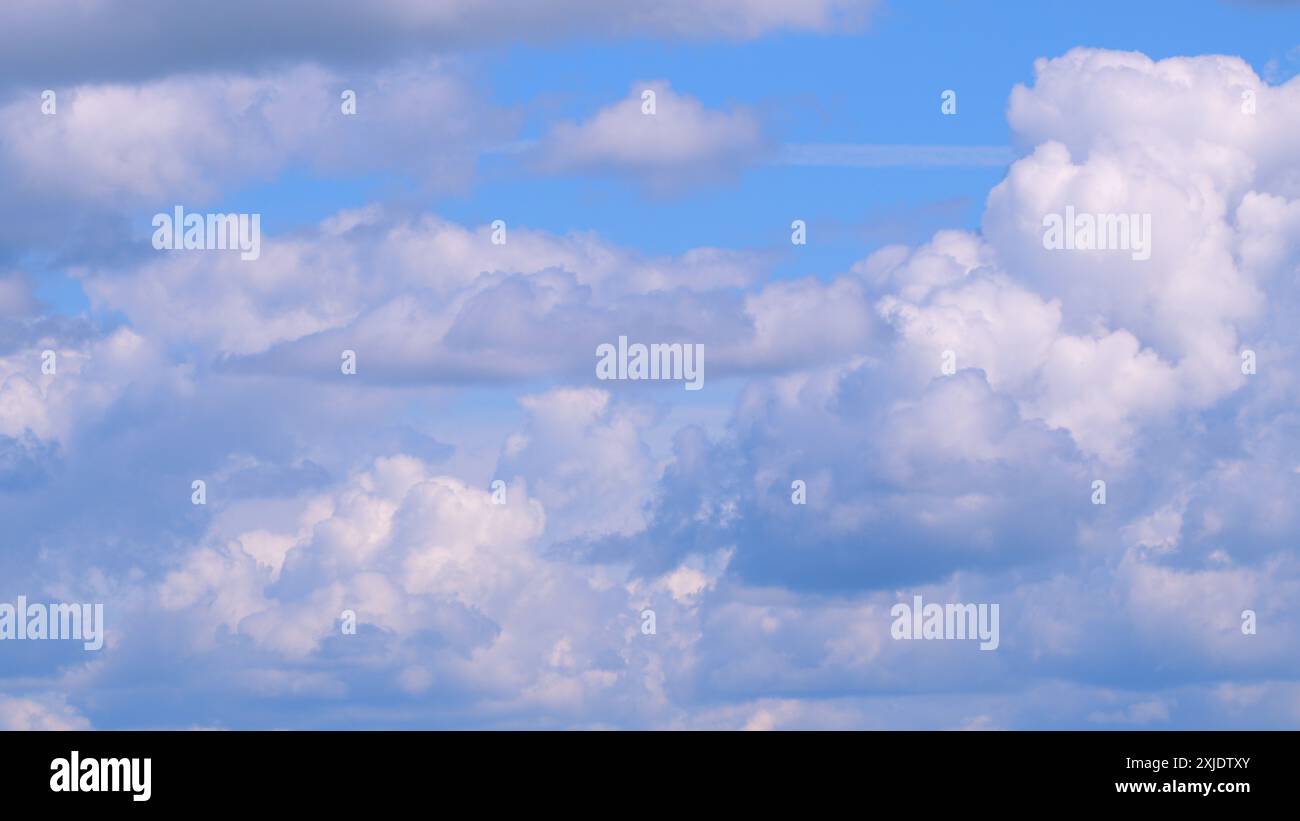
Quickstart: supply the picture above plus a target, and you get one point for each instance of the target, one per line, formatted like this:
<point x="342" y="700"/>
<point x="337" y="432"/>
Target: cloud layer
<point x="947" y="408"/>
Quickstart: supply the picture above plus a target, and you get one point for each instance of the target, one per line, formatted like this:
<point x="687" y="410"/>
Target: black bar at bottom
<point x="672" y="771"/>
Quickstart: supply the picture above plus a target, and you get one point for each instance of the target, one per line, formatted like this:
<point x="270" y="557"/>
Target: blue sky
<point x="371" y="493"/>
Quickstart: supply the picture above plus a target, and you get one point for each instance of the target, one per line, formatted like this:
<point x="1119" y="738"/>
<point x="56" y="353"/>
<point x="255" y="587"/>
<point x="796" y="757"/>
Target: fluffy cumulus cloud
<point x="29" y="714"/>
<point x="113" y="154"/>
<point x="944" y="411"/>
<point x="454" y="307"/>
<point x="657" y="135"/>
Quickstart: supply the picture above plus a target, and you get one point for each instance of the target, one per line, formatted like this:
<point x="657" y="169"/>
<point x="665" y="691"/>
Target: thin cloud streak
<point x="850" y="155"/>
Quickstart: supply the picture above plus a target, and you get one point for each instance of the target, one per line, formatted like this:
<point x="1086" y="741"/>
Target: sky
<point x="912" y="394"/>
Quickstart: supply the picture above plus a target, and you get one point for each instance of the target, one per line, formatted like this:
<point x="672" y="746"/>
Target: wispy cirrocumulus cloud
<point x="374" y="477"/>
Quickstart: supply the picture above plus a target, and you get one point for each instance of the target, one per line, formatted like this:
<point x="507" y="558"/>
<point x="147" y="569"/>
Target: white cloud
<point x="681" y="141"/>
<point x="118" y="153"/>
<point x="53" y="713"/>
<point x="582" y="457"/>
